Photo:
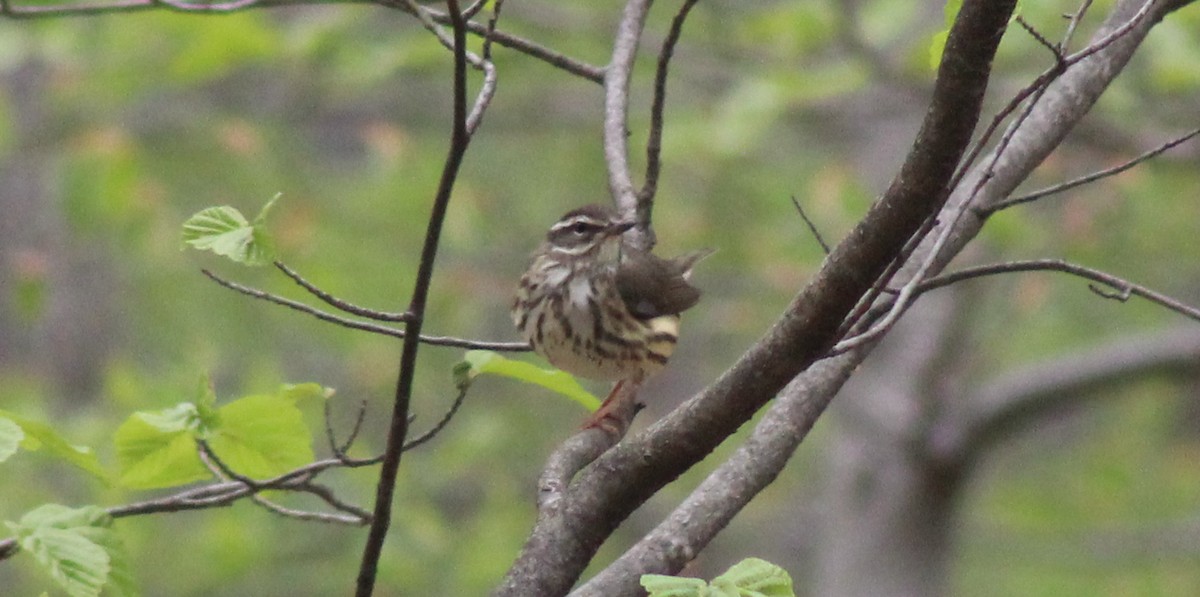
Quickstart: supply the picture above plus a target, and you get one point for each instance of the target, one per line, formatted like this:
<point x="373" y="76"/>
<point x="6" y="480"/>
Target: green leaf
<point x="39" y="435"/>
<point x="262" y="436"/>
<point x="478" y="362"/>
<point x="937" y="45"/>
<point x="76" y="545"/>
<point x="10" y="438"/>
<point x="658" y="585"/>
<point x="158" y="449"/>
<point x="753" y="577"/>
<point x="226" y="232"/>
<point x="181" y="417"/>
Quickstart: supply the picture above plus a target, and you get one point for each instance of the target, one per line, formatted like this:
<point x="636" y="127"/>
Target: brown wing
<point x="652" y="286"/>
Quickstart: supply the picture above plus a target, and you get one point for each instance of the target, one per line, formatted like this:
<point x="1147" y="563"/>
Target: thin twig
<point x="340" y="451"/>
<point x="337" y="303"/>
<point x="364" y="326"/>
<point x="1073" y="24"/>
<point x="1082" y="180"/>
<point x="811" y="226"/>
<point x="436" y="429"/>
<point x="1124" y="287"/>
<point x="554" y="58"/>
<point x="654" y="141"/>
<point x="1041" y="39"/>
<point x="528" y="47"/>
<point x="491" y="30"/>
<point x="329" y="497"/>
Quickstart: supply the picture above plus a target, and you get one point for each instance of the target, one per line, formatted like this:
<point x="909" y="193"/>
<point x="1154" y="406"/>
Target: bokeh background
<point x="114" y="129"/>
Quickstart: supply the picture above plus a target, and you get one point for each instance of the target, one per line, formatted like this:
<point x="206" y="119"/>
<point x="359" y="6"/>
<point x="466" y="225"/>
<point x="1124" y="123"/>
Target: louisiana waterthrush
<point x="599" y="309"/>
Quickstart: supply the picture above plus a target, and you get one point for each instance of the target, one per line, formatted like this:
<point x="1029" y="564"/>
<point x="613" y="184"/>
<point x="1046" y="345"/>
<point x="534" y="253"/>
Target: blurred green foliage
<point x="128" y="124"/>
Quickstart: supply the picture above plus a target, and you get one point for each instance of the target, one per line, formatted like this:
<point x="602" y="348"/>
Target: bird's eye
<point x="580" y="228"/>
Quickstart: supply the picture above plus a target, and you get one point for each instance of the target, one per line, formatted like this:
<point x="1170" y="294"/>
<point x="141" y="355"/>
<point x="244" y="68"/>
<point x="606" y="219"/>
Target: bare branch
<point x="616" y="117"/>
<point x="333" y="301"/>
<point x="811" y="226"/>
<point x="654" y="142"/>
<point x="1122" y="286"/>
<point x="445" y="420"/>
<point x="460" y="138"/>
<point x="367" y="327"/>
<point x="528" y="47"/>
<point x="1082" y="180"/>
<point x="1073" y="24"/>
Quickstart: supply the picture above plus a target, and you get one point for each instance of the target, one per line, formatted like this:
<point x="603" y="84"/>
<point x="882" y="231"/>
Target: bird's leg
<point x="617" y="410"/>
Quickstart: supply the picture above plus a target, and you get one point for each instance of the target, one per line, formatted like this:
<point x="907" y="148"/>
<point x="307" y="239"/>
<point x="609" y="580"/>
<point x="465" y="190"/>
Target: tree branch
<point x="617" y="79"/>
<point x="645" y="207"/>
<point x="528" y="47"/>
<point x="1125" y="287"/>
<point x="398" y="428"/>
<point x="1082" y="180"/>
<point x="364" y="326"/>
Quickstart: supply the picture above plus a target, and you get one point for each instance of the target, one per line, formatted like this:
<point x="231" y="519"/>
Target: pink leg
<point x="617" y="410"/>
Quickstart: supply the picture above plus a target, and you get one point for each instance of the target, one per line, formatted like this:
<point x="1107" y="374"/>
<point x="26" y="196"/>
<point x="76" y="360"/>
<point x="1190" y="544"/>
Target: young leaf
<point x="753" y="576"/>
<point x="226" y="232"/>
<point x="262" y="436"/>
<point x="158" y="449"/>
<point x="72" y="543"/>
<point x="485" y="361"/>
<point x="10" y="437"/>
<point x="39" y="435"/>
<point x="658" y="585"/>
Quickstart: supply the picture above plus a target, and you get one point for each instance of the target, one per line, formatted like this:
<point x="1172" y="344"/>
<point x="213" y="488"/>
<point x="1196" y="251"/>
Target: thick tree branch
<point x="606" y="492"/>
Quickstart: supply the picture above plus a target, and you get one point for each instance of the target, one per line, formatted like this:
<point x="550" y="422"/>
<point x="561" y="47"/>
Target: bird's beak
<point x="618" y="228"/>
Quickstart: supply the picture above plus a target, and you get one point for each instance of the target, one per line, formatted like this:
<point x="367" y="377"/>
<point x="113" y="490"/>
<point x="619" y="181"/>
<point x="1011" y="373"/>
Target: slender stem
<point x="364" y="326"/>
<point x="654" y="142"/>
<point x="398" y="429"/>
<point x="1124" y="288"/>
<point x="1082" y="180"/>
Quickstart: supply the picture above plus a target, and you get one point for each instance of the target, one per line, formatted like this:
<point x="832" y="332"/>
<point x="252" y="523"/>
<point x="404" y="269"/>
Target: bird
<point x="600" y="309"/>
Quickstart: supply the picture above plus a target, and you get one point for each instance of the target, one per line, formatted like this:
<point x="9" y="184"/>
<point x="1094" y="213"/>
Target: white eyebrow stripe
<point x="575" y="220"/>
